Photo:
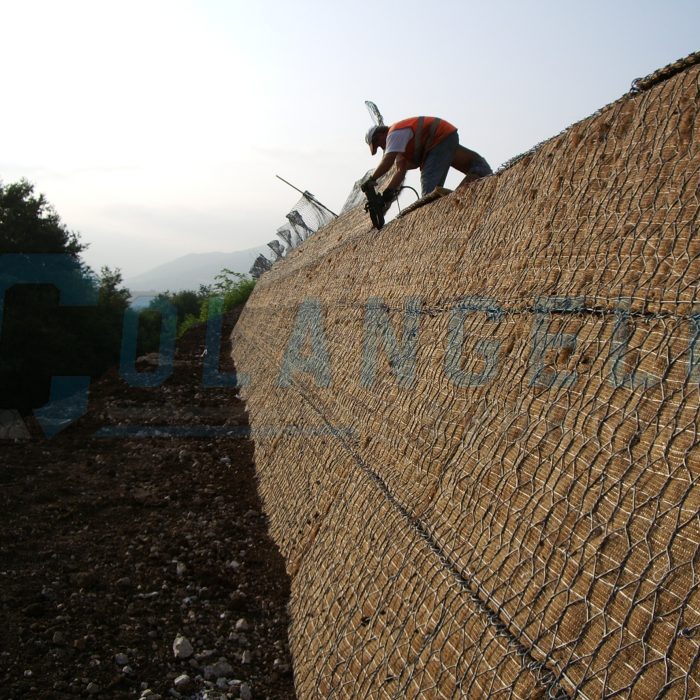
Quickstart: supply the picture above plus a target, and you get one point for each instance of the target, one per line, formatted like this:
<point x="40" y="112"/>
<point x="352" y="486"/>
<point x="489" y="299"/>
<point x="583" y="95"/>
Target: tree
<point x="39" y="338"/>
<point x="29" y="224"/>
<point x="111" y="294"/>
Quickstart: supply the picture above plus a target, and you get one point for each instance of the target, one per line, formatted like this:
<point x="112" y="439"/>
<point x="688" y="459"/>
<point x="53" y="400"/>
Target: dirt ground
<point x="111" y="547"/>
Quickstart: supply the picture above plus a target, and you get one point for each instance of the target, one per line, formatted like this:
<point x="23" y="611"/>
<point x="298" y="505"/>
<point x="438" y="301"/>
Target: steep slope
<point x="477" y="430"/>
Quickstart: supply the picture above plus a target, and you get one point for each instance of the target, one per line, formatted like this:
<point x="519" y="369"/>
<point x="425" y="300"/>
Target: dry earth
<point x="112" y="547"/>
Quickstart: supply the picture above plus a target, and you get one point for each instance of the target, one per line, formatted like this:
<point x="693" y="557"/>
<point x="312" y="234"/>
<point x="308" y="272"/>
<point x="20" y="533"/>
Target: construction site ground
<point x="113" y="547"/>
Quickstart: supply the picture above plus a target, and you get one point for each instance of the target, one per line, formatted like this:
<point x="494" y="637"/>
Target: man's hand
<point x="389" y="195"/>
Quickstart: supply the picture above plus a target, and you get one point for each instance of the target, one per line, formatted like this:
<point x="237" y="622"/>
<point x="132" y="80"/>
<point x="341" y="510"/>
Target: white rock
<point x="242" y="625"/>
<point x="182" y="682"/>
<point x="246" y="657"/>
<point x="12" y="427"/>
<point x="182" y="647"/>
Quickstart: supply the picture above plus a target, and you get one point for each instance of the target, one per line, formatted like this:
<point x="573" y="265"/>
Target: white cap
<point x="370" y="135"/>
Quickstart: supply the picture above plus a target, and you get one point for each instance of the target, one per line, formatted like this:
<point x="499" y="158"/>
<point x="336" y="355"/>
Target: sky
<point x="156" y="128"/>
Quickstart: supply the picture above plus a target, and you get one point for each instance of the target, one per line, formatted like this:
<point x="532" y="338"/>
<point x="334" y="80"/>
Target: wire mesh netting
<point x="356" y="196"/>
<point x="476" y="431"/>
<point x="305" y="218"/>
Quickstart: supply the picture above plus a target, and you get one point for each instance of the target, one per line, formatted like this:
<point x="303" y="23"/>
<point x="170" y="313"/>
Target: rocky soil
<point x="140" y="566"/>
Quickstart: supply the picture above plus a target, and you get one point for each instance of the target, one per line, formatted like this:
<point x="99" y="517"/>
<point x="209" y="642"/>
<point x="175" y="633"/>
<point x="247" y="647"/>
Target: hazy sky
<point x="156" y="127"/>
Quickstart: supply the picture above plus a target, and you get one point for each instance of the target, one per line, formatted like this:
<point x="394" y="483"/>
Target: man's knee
<point x="469" y="177"/>
<point x="470" y="162"/>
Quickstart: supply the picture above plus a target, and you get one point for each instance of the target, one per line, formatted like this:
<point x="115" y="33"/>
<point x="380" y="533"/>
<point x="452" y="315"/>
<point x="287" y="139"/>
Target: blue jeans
<point x="480" y="167"/>
<point x="437" y="163"/>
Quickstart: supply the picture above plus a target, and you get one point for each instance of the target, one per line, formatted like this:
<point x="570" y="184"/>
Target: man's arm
<point x="384" y="166"/>
<point x="400" y="174"/>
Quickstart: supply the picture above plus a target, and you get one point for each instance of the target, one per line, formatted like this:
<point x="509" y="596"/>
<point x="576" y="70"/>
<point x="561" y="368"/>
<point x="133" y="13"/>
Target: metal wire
<point x="501" y="498"/>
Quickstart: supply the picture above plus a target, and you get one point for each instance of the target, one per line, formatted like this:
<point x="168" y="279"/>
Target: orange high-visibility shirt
<point x="428" y="132"/>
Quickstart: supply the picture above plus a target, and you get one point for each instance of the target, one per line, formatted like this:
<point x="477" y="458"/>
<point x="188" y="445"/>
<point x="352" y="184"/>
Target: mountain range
<point x="191" y="271"/>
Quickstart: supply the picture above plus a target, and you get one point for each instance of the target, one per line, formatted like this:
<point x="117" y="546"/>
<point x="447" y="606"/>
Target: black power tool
<point x="375" y="204"/>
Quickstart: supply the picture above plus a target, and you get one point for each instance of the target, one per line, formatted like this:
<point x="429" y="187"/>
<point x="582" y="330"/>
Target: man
<point x="428" y="143"/>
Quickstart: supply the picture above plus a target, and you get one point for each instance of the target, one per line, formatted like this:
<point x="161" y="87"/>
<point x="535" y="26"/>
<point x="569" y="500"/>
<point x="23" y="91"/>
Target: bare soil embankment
<point x="110" y="547"/>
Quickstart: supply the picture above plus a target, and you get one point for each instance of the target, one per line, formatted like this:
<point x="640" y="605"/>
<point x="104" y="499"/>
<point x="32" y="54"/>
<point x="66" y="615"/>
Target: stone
<point x="34" y="610"/>
<point x="93" y="688"/>
<point x="12" y="427"/>
<point x="87" y="580"/>
<point x="182" y="647"/>
<point x="121" y="659"/>
<point x="242" y="625"/>
<point x="245" y="693"/>
<point x="221" y="669"/>
<point x="183" y="683"/>
<point x="238" y="600"/>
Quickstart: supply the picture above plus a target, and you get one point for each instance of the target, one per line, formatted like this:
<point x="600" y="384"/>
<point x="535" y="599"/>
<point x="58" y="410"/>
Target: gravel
<point x="111" y="548"/>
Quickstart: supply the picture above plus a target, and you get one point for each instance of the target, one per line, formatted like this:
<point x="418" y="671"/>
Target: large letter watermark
<point x="307" y="325"/>
<point x="378" y="331"/>
<point x="68" y="399"/>
<point x="212" y="377"/>
<point x="621" y="375"/>
<point x="693" y="351"/>
<point x="543" y="341"/>
<point x="487" y="349"/>
<point x="127" y="361"/>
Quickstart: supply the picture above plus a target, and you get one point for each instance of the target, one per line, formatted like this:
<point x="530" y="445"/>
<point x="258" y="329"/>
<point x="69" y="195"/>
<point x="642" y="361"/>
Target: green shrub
<point x="229" y="290"/>
<point x="233" y="287"/>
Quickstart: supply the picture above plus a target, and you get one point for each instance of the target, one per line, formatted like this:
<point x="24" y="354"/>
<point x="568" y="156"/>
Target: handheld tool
<point x="375" y="204"/>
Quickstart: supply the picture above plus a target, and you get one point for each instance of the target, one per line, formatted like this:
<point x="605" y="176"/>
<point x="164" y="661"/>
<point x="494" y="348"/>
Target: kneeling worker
<point x="428" y="143"/>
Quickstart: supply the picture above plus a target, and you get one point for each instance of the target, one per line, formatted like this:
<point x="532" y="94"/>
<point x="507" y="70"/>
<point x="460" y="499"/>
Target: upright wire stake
<point x="308" y="195"/>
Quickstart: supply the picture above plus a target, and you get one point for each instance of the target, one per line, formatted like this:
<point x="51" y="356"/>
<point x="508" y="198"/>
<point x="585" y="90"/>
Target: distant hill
<point x="189" y="271"/>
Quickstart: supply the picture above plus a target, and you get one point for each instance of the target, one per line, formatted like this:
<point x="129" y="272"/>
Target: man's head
<point x="376" y="138"/>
